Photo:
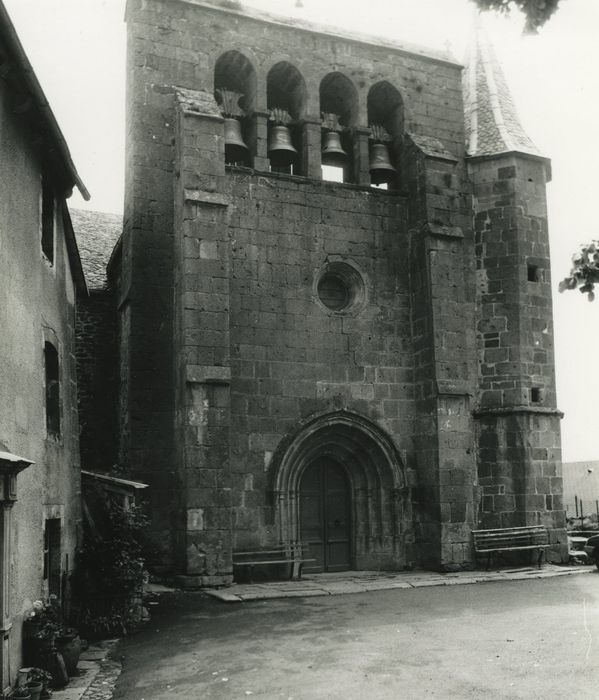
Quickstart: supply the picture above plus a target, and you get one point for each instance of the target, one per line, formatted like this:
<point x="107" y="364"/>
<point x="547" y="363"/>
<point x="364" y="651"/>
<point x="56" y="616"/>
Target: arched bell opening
<point x="286" y="100"/>
<point x="308" y="474"/>
<point x="339" y="112"/>
<point x="386" y="122"/>
<point x="235" y="88"/>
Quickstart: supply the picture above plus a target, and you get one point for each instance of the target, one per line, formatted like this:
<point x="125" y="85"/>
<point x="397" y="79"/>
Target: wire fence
<point x="583" y="513"/>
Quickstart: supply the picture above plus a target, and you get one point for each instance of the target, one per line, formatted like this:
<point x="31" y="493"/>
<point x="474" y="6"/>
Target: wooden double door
<point x="325" y="516"/>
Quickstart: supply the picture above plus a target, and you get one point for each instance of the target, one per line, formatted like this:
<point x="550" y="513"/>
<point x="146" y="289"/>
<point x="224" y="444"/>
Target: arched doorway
<point x="325" y="516"/>
<point x="343" y="463"/>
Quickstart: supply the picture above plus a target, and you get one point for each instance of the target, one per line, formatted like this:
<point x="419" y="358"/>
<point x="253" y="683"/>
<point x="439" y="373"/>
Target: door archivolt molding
<point x="373" y="466"/>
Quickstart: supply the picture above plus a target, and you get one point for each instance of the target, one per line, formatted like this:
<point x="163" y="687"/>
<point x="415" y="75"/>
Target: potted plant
<point x="35" y="689"/>
<point x="42" y="630"/>
<point x="38" y="681"/>
<point x="21" y="693"/>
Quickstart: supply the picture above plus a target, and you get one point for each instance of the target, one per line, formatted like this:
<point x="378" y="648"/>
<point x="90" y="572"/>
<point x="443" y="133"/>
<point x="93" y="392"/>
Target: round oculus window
<point x="340" y="287"/>
<point x="334" y="292"/>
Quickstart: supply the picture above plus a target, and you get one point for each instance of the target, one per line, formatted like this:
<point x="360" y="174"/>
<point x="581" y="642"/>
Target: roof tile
<point x="97" y="233"/>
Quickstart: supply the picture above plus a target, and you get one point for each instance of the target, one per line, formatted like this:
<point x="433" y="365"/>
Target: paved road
<point x="513" y="639"/>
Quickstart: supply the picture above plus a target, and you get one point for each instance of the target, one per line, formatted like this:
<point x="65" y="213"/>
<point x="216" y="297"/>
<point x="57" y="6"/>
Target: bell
<point x="381" y="169"/>
<point x="235" y="148"/>
<point x="280" y="149"/>
<point x="332" y="151"/>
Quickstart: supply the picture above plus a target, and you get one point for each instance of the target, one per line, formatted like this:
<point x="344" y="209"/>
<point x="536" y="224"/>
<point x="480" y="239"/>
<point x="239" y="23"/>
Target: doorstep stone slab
<point x="361" y="582"/>
<point x="423" y="583"/>
<point x="307" y="593"/>
<point x="264" y="595"/>
<point x="345" y="587"/>
<point x="224" y="595"/>
<point x="385" y="585"/>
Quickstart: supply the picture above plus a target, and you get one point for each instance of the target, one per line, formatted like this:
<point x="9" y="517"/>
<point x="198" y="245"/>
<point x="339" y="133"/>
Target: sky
<point x="77" y="48"/>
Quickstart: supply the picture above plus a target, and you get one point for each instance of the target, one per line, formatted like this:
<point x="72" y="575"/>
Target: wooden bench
<point x="294" y="554"/>
<point x="511" y="539"/>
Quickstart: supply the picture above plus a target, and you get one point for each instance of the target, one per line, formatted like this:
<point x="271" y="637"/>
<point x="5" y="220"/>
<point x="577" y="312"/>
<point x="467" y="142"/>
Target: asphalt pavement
<point x="502" y="639"/>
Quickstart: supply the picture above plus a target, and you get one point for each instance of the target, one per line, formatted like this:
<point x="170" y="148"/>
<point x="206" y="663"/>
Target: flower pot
<point x="70" y="648"/>
<point x="35" y="689"/>
<point x="21" y="696"/>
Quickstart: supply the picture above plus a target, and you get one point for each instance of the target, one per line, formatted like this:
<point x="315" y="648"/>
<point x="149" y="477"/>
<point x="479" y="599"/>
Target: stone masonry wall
<point x="38" y="307"/>
<point x="441" y="266"/>
<point x="254" y="353"/>
<point x="518" y="428"/>
<point x="291" y="357"/>
<point x="97" y="380"/>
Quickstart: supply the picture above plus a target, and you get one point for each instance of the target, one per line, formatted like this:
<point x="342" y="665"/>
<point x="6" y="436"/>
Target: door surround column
<point x="10" y="466"/>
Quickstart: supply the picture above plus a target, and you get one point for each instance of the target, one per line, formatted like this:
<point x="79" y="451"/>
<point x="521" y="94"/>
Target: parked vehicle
<point x="576" y="552"/>
<point x="592" y="549"/>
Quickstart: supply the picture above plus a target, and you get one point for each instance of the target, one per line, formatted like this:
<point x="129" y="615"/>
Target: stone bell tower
<point x="302" y="334"/>
<point x="517" y="420"/>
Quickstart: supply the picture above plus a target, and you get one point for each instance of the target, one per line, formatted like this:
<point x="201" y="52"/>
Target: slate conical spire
<point x="492" y="123"/>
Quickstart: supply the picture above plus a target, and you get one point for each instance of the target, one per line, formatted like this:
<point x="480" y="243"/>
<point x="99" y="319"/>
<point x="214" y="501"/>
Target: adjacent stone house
<point x="96" y="336"/>
<point x="40" y="280"/>
<point x="367" y="368"/>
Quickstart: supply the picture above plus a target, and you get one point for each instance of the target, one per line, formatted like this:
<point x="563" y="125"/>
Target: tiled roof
<point x="97" y="233"/>
<point x="492" y="123"/>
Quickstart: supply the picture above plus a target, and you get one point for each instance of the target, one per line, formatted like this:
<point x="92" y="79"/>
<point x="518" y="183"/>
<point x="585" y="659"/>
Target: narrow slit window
<point x="52" y="556"/>
<point x="47" y="219"/>
<point x="533" y="273"/>
<point x="52" y="390"/>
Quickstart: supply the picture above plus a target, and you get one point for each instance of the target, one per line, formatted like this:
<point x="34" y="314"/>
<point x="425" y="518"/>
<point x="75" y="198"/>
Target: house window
<point x="48" y="205"/>
<point x="52" y="557"/>
<point x="52" y="390"/>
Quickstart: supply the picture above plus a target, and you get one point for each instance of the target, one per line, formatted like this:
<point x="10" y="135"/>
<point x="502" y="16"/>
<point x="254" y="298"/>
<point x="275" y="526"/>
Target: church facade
<point x="333" y="296"/>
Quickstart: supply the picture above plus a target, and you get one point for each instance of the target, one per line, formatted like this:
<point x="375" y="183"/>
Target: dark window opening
<point x="334" y="292"/>
<point x="533" y="273"/>
<point x="52" y="390"/>
<point x="52" y="557"/>
<point x="285" y="169"/>
<point x="536" y="395"/>
<point x="47" y="219"/>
